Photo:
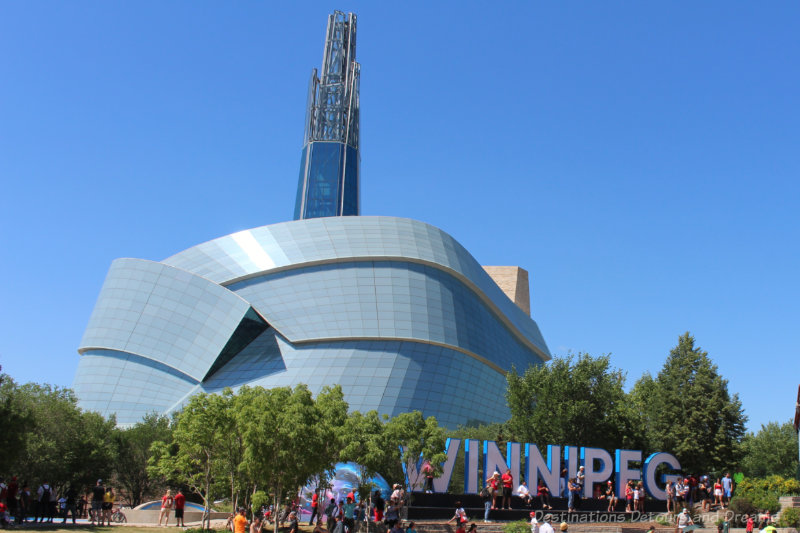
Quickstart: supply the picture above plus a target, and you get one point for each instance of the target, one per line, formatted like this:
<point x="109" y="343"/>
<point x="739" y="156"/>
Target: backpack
<point x="485" y="492"/>
<point x="45" y="494"/>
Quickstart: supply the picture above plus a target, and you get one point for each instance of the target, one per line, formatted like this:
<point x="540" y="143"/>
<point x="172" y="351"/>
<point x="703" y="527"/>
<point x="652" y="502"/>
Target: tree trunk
<point x="277" y="496"/>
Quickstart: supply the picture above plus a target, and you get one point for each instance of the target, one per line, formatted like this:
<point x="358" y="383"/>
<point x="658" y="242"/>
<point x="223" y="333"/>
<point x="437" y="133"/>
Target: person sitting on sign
<point x="524" y="493"/>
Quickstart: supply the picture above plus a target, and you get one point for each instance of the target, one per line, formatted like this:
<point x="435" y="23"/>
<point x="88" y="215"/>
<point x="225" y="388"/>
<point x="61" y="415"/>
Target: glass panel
<point x="324" y="180"/>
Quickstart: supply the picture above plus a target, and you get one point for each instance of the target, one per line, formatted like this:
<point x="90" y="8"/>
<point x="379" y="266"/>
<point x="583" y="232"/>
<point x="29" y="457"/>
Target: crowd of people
<point x="693" y="489"/>
<point x="700" y="489"/>
<point x="19" y="503"/>
<point x="343" y="516"/>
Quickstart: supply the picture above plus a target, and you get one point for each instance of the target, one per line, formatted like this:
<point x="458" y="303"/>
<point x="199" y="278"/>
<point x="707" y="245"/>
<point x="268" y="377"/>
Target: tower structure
<point x="330" y="163"/>
<point x="394" y="310"/>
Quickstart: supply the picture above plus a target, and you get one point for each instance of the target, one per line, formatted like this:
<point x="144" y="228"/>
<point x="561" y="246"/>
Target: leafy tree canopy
<point x="575" y="399"/>
<point x="133" y="453"/>
<point x="687" y="410"/>
<point x="771" y="451"/>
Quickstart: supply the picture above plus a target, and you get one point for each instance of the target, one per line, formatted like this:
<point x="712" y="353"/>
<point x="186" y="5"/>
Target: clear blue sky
<point x="640" y="159"/>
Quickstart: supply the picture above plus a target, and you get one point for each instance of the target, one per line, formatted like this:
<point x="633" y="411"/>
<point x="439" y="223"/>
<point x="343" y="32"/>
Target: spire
<point x="329" y="168"/>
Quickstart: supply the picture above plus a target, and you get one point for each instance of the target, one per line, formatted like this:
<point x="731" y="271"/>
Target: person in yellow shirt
<point x="108" y="505"/>
<point x="240" y="522"/>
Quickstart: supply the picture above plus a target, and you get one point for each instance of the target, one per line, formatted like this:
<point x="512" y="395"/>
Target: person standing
<point x="486" y="496"/>
<point x="494" y="487"/>
<point x="239" y="521"/>
<point x="70" y="504"/>
<point x="330" y="510"/>
<point x="727" y="489"/>
<point x="98" y="492"/>
<point x="349" y="515"/>
<point x="24" y="505"/>
<point x="534" y="523"/>
<point x="46" y="499"/>
<point x="167" y="502"/>
<point x="11" y="496"/>
<point x="573" y="488"/>
<point x="108" y="504"/>
<point x="180" y="502"/>
<point x="427" y="471"/>
<point x="545" y="527"/>
<point x="670" y="496"/>
<point x="314" y="507"/>
<point x="508" y="485"/>
<point x="580" y="477"/>
<point x="380" y="504"/>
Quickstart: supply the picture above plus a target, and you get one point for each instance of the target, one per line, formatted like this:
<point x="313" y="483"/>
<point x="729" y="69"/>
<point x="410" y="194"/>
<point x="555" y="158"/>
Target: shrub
<point x="519" y="526"/>
<point x="259" y="498"/>
<point x="741" y="505"/>
<point x="790" y="517"/>
<point x="763" y="493"/>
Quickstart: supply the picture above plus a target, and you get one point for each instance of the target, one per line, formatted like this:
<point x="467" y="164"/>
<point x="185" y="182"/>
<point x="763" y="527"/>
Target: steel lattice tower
<point x="330" y="165"/>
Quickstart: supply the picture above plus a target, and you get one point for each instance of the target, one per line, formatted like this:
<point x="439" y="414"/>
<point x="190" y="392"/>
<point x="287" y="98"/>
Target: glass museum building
<point x="394" y="310"/>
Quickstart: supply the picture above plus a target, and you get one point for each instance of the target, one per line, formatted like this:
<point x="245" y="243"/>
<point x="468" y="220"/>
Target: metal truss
<point x="332" y="112"/>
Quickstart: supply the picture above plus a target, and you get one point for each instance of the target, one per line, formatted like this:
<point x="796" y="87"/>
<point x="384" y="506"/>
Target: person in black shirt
<point x="71" y="504"/>
<point x="98" y="491"/>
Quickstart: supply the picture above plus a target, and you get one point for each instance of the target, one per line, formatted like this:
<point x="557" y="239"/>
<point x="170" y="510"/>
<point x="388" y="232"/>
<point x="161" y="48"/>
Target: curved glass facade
<point x="394" y="310"/>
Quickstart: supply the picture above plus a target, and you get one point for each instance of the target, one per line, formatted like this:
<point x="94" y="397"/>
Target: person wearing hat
<point x="545" y="526"/>
<point x="564" y="527"/>
<point x="684" y="519"/>
<point x="534" y="523"/>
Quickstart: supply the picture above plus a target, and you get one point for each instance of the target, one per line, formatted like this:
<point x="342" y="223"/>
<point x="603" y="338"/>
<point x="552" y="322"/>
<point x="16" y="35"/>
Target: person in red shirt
<point x="166" y="506"/>
<point x="314" y="507"/>
<point x="508" y="485"/>
<point x="179" y="502"/>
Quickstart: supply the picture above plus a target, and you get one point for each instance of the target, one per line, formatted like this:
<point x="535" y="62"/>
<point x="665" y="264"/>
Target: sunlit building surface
<point x="394" y="310"/>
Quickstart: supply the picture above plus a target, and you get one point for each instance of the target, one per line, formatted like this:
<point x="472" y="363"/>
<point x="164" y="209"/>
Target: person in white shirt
<point x="524" y="493"/>
<point x="545" y="526"/>
<point x="684" y="519"/>
<point x="534" y="523"/>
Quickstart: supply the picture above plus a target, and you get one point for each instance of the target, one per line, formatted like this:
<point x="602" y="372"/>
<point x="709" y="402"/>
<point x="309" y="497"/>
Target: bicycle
<point x="118" y="516"/>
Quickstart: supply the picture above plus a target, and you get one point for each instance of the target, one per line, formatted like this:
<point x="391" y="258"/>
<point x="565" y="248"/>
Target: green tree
<point x="198" y="447"/>
<point x="133" y="456"/>
<point x="16" y="417"/>
<point x="63" y="444"/>
<point x="410" y="436"/>
<point x="364" y="443"/>
<point x="687" y="410"/>
<point x="574" y="399"/>
<point x="771" y="451"/>
<point x="284" y="438"/>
